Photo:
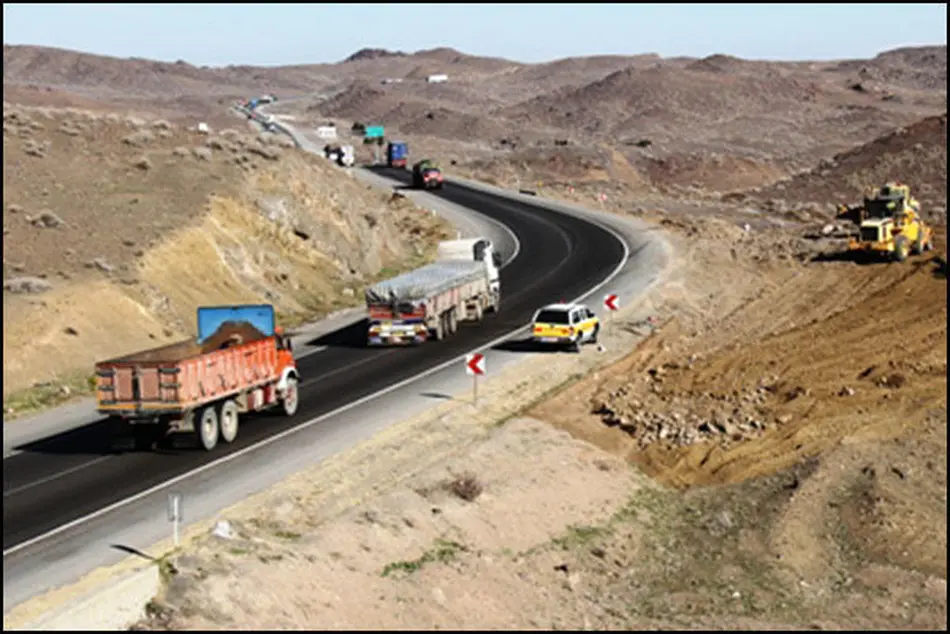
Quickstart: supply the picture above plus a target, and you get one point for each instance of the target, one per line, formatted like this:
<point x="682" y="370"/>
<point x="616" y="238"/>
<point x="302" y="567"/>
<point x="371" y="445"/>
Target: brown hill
<point x="918" y="68"/>
<point x="660" y="95"/>
<point x="916" y="154"/>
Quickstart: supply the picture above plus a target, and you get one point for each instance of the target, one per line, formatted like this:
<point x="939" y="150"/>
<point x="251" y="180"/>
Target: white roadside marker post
<point x="475" y="367"/>
<point x="174" y="514"/>
<point x="610" y="303"/>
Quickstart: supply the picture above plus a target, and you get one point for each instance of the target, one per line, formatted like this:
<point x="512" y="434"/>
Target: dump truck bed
<point x="425" y="282"/>
<point x="185" y="375"/>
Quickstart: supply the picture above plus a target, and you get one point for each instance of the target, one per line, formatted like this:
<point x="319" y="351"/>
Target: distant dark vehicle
<point x="426" y="175"/>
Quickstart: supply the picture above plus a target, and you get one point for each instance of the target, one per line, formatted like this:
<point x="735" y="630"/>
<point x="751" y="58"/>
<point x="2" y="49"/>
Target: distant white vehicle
<point x="437" y="79"/>
<point x="267" y="99"/>
<point x="346" y="157"/>
<point x="327" y="132"/>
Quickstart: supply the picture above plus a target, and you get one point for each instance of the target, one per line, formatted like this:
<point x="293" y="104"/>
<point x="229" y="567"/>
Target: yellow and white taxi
<point x="565" y="325"/>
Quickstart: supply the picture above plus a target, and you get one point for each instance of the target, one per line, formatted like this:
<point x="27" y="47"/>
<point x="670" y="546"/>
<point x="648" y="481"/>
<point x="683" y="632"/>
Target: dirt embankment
<point x="117" y="228"/>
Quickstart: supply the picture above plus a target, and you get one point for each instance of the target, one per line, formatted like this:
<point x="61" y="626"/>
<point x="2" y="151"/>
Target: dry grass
<point x="129" y="232"/>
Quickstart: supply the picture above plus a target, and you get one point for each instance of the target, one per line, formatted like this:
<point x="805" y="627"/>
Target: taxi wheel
<point x="593" y="337"/>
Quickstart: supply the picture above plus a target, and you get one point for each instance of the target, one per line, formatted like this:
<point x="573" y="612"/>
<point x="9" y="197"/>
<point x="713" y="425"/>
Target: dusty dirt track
<point x="774" y="456"/>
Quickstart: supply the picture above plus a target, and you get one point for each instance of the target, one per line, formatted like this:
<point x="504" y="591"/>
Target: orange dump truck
<point x="240" y="362"/>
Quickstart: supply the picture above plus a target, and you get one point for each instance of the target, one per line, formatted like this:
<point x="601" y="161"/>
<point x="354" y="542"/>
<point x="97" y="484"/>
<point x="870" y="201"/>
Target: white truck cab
<point x="479" y="250"/>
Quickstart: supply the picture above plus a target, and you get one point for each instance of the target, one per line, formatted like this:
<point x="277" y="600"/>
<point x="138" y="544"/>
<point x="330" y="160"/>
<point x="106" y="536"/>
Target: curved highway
<point x="63" y="478"/>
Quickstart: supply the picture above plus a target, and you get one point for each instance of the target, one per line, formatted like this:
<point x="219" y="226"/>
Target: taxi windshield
<point x="553" y="317"/>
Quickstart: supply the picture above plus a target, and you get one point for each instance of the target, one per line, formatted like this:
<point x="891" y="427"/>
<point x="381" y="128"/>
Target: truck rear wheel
<point x="291" y="397"/>
<point x="453" y="322"/>
<point x="440" y="328"/>
<point x="228" y="418"/>
<point x="479" y="311"/>
<point x="207" y="428"/>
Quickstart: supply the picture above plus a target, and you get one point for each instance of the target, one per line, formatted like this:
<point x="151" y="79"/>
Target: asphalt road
<point x="62" y="478"/>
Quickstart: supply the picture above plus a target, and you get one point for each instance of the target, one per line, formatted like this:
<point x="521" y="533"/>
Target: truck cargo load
<point x="430" y="301"/>
<point x="239" y="362"/>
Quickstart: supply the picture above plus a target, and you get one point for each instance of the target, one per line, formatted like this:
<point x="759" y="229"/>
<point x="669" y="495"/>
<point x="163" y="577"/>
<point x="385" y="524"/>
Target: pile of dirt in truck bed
<point x="231" y="333"/>
<point x="116" y="228"/>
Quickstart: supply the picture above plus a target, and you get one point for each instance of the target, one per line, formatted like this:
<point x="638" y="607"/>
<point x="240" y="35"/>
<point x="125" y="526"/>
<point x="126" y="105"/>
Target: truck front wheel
<point x="208" y="429"/>
<point x="290" y="399"/>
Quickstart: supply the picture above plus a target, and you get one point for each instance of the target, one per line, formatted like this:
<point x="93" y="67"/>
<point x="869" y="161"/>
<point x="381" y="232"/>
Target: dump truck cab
<point x="889" y="223"/>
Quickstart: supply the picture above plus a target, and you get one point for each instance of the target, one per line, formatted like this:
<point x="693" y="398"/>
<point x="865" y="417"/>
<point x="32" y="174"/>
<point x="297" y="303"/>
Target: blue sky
<point x="272" y="34"/>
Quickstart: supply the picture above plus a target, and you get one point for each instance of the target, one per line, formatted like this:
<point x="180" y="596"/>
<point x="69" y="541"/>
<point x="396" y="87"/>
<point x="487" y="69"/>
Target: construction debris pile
<point x="652" y="416"/>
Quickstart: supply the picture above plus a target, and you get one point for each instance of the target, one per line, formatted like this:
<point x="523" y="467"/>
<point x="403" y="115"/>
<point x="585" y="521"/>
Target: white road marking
<point x="55" y="476"/>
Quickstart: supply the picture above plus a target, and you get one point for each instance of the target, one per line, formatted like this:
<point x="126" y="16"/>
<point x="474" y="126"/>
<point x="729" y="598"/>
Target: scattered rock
<point x="846" y="391"/>
<point x="35" y="149"/>
<point x="222" y="529"/>
<point x="271" y="154"/>
<point x="180" y="151"/>
<point x="26" y="285"/>
<point x="15" y="209"/>
<point x="102" y="264"/>
<point x="47" y="219"/>
<point x="69" y="330"/>
<point x="143" y="163"/>
<point x="140" y="138"/>
<point x="202" y="153"/>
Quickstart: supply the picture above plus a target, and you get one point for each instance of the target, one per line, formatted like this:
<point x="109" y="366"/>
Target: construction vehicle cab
<point x="890" y="224"/>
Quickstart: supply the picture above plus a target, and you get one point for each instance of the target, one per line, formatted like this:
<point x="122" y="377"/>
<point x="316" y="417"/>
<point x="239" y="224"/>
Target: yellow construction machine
<point x="889" y="223"/>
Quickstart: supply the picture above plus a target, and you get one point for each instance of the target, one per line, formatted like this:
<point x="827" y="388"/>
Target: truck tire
<point x="440" y="328"/>
<point x="228" y="419"/>
<point x="479" y="311"/>
<point x="453" y="322"/>
<point x="919" y="242"/>
<point x="291" y="398"/>
<point x="901" y="247"/>
<point x="207" y="428"/>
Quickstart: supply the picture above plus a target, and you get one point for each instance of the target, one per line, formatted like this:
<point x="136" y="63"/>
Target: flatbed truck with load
<point x="239" y="362"/>
<point x="429" y="302"/>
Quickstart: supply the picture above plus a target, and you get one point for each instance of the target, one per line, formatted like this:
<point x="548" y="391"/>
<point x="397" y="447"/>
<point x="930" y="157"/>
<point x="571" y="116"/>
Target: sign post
<point x="175" y="514"/>
<point x="374" y="133"/>
<point x="475" y="367"/>
<point x="610" y="303"/>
